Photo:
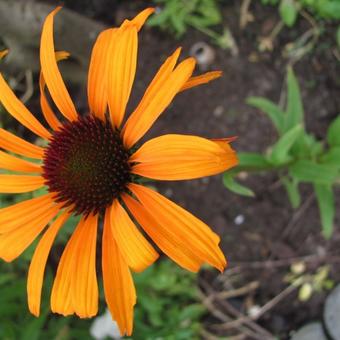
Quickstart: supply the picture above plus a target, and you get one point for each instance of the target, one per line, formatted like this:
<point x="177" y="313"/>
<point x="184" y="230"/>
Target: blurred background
<point x="277" y="214"/>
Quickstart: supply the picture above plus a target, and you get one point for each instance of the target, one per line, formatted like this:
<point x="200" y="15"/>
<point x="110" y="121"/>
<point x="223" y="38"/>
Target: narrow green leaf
<point x="252" y="161"/>
<point x="332" y="157"/>
<point x="236" y="187"/>
<point x="288" y="12"/>
<point x="308" y="171"/>
<point x="292" y="188"/>
<point x="271" y="109"/>
<point x="282" y="147"/>
<point x="294" y="110"/>
<point x="333" y="133"/>
<point x="325" y="198"/>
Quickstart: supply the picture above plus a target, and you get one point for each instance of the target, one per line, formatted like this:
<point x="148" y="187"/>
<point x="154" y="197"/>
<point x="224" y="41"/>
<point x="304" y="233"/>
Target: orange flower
<point x="91" y="167"/>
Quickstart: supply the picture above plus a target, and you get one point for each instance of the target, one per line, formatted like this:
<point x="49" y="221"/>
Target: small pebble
<point x="218" y="111"/>
<point x="239" y="219"/>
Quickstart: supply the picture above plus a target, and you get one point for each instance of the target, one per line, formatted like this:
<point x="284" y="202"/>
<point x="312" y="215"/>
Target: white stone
<point x="104" y="327"/>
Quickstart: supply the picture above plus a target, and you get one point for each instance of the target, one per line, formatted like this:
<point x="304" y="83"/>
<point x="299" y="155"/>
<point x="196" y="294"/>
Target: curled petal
<point x="37" y="267"/>
<point x="51" y="73"/>
<point x="178" y="157"/>
<point x="156" y="99"/>
<point x="120" y="293"/>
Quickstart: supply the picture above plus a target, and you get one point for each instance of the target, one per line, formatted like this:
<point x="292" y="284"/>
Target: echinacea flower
<point x="92" y="166"/>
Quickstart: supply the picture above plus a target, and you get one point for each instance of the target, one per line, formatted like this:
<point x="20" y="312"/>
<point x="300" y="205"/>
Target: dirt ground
<point x="271" y="228"/>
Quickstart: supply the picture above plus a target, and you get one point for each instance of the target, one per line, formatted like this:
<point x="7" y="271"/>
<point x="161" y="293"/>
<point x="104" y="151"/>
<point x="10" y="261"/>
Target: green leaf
<point x="333" y="133"/>
<point x="271" y="109"/>
<point x="280" y="150"/>
<point x="294" y="110"/>
<point x="308" y="171"/>
<point x="332" y="157"/>
<point x="288" y="12"/>
<point x="338" y="36"/>
<point x="292" y="187"/>
<point x="325" y="198"/>
<point x="252" y="161"/>
<point x="236" y="187"/>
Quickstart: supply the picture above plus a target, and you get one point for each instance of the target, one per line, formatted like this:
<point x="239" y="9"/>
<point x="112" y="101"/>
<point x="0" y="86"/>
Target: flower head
<point x="92" y="167"/>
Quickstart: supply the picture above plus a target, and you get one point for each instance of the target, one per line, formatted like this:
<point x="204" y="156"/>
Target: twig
<point x="265" y="308"/>
<point x="244" y="13"/>
<point x="273" y="302"/>
<point x="29" y="87"/>
<point x="235" y="292"/>
<point x="257" y="332"/>
<point x="296" y="217"/>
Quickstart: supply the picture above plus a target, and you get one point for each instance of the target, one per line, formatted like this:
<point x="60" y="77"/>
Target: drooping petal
<point x="84" y="286"/>
<point x="47" y="111"/>
<point x="37" y="267"/>
<point x="119" y="289"/>
<point x="178" y="157"/>
<point x="49" y="67"/>
<point x="20" y="183"/>
<point x="3" y="53"/>
<point x="61" y="296"/>
<point x="13" y="163"/>
<point x="122" y="70"/>
<point x="187" y="231"/>
<point x="156" y="99"/>
<point x="19" y="111"/>
<point x="98" y="73"/>
<point x="20" y="214"/>
<point x="13" y="243"/>
<point x="201" y="79"/>
<point x="165" y="238"/>
<point x="139" y="20"/>
<point x="136" y="250"/>
<point x="10" y="142"/>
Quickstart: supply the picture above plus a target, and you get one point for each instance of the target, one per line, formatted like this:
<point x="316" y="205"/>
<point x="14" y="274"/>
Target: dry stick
<point x="236" y="292"/>
<point x="265" y="308"/>
<point x="254" y="327"/>
<point x="244" y="13"/>
<point x="296" y="217"/>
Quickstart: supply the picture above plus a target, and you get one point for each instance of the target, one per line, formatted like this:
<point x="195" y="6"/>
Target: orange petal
<point x="20" y="183"/>
<point x="98" y="73"/>
<point x="136" y="250"/>
<point x="51" y="72"/>
<point x="13" y="243"/>
<point x="20" y="214"/>
<point x="164" y="237"/>
<point x="84" y="286"/>
<point x="119" y="289"/>
<point x="156" y="99"/>
<point x="19" y="111"/>
<point x="10" y="142"/>
<point x="139" y="20"/>
<point x="122" y="70"/>
<point x="202" y="79"/>
<point x="13" y="163"/>
<point x="47" y="111"/>
<point x="188" y="231"/>
<point x="61" y="296"/>
<point x="178" y="157"/>
<point x="3" y="53"/>
<point x="37" y="267"/>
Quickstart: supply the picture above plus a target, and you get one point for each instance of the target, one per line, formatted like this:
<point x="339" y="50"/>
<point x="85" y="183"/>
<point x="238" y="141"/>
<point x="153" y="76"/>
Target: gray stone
<point x="332" y="313"/>
<point x="312" y="331"/>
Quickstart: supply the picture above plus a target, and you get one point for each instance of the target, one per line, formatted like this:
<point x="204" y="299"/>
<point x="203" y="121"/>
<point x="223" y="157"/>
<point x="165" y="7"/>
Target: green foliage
<point x="168" y="304"/>
<point x="296" y="155"/>
<point x="321" y="9"/>
<point x="176" y="16"/>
